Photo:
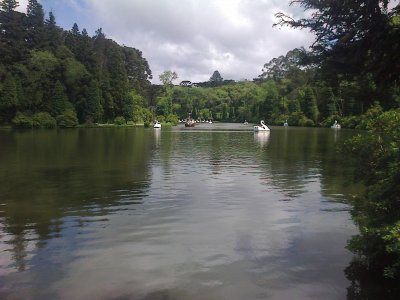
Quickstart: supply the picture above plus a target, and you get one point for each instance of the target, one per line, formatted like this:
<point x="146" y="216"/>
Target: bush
<point x="67" y="119"/>
<point x="119" y="121"/>
<point x="44" y="120"/>
<point x="329" y="121"/>
<point x="306" y="122"/>
<point x="294" y="118"/>
<point x="377" y="212"/>
<point x="281" y="119"/>
<point x="369" y="115"/>
<point x="172" y="119"/>
<point x="350" y="122"/>
<point x="22" y="120"/>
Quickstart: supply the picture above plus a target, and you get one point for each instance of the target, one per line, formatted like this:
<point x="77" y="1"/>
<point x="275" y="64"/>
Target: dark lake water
<point x="212" y="212"/>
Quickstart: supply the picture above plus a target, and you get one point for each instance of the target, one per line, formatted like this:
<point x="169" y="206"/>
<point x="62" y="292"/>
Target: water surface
<point x="211" y="212"/>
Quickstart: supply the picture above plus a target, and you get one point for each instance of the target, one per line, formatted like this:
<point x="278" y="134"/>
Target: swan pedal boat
<point x="261" y="127"/>
<point x="336" y="125"/>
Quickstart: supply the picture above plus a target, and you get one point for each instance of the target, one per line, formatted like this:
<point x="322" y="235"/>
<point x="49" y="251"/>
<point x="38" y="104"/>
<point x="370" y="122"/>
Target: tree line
<point x="356" y="55"/>
<point x="50" y="76"/>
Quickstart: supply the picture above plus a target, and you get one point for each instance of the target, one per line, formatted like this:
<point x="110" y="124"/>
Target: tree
<point x="53" y="32"/>
<point x="352" y="37"/>
<point x="377" y="212"/>
<point x="35" y="24"/>
<point x="216" y="78"/>
<point x="35" y="13"/>
<point x="8" y="5"/>
<point x="67" y="119"/>
<point x="279" y="68"/>
<point x="94" y="110"/>
<point x="167" y="77"/>
<point x="310" y="108"/>
<point x="8" y="99"/>
<point x="12" y="33"/>
<point x="59" y="100"/>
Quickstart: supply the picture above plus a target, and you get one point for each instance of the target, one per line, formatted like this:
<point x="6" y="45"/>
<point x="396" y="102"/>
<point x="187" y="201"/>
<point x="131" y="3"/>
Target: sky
<point x="190" y="37"/>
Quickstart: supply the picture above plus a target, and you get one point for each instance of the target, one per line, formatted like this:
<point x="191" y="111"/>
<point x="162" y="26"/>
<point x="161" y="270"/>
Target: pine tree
<point x="12" y="33"/>
<point x="8" y="99"/>
<point x="35" y="24"/>
<point x="310" y="108"/>
<point x="54" y="33"/>
<point x="59" y="100"/>
<point x="35" y="13"/>
<point x="8" y="5"/>
<point x="94" y="110"/>
<point x="216" y="78"/>
<point x="75" y="29"/>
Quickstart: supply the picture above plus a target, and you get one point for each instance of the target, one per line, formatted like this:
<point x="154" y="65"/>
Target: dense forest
<point x="54" y="77"/>
<point x="50" y="76"/>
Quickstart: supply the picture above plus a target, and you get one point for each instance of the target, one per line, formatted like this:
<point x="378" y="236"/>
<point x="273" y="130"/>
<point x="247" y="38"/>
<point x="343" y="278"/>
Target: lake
<point x="211" y="212"/>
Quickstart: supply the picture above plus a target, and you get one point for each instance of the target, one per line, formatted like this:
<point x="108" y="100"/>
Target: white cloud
<point x="194" y="37"/>
<point x="22" y="4"/>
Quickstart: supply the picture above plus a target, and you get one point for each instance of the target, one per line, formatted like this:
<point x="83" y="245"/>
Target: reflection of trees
<point x="288" y="162"/>
<point x="369" y="284"/>
<point x="48" y="175"/>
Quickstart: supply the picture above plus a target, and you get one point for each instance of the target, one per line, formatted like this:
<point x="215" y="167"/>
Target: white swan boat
<point x="261" y="127"/>
<point x="157" y="125"/>
<point x="336" y="125"/>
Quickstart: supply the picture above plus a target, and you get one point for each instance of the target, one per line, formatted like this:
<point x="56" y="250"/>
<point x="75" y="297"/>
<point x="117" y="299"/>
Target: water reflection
<point x="216" y="214"/>
<point x="49" y="175"/>
<point x="262" y="138"/>
<point x="366" y="284"/>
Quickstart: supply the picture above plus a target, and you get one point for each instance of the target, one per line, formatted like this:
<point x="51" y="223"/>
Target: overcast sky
<point x="191" y="37"/>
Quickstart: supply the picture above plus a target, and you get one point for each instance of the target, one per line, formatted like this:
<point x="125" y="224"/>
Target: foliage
<point x="119" y="121"/>
<point x="216" y="79"/>
<point x="44" y="68"/>
<point x="67" y="119"/>
<point x="328" y="122"/>
<point x="22" y="120"/>
<point x="94" y="110"/>
<point x="59" y="100"/>
<point x="8" y="5"/>
<point x="147" y="117"/>
<point x="43" y="120"/>
<point x="353" y="38"/>
<point x="350" y="122"/>
<point x="172" y="119"/>
<point x="377" y="214"/>
<point x="285" y="65"/>
<point x="167" y="77"/>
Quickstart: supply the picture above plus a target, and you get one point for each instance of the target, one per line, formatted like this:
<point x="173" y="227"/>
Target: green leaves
<point x="378" y="213"/>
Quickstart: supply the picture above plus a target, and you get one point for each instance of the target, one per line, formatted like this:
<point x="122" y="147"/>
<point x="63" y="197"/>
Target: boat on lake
<point x="336" y="125"/>
<point x="261" y="127"/>
<point x="157" y="125"/>
<point x="190" y="122"/>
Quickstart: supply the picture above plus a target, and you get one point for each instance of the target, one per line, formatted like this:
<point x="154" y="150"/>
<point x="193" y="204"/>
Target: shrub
<point x="329" y="121"/>
<point x="22" y="120"/>
<point x="119" y="121"/>
<point x="172" y="119"/>
<point x="44" y="120"/>
<point x="67" y="119"/>
<point x="306" y="122"/>
<point x="350" y="122"/>
<point x="377" y="212"/>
